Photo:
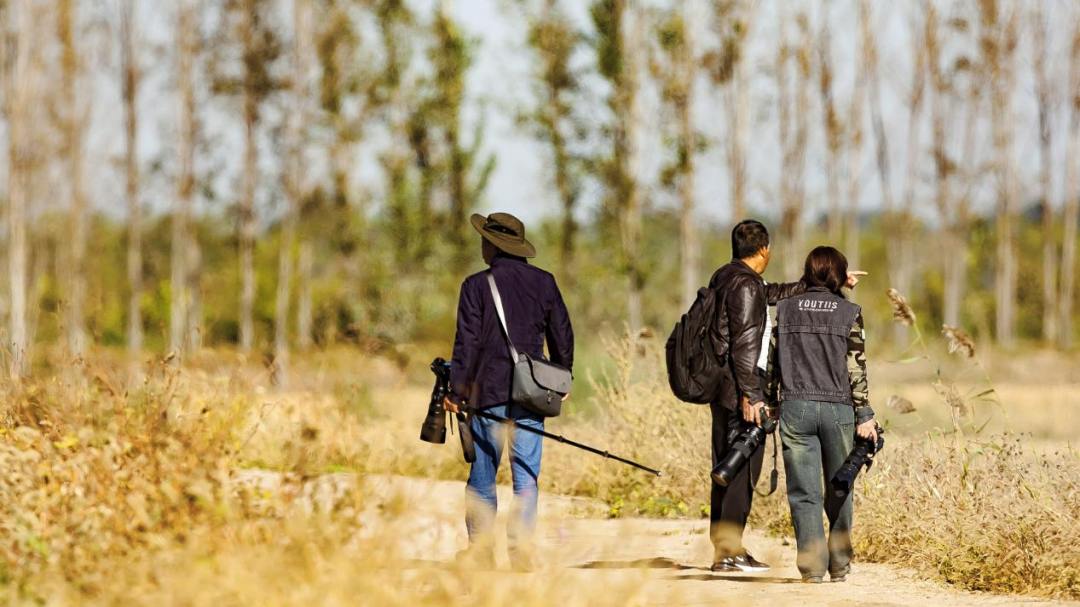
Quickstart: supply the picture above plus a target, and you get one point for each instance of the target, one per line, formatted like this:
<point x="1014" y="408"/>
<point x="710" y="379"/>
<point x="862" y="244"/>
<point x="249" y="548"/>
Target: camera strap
<point x="774" y="477"/>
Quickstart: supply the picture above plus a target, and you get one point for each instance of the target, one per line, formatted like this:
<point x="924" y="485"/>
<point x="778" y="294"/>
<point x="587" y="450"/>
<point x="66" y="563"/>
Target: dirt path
<point x="667" y="560"/>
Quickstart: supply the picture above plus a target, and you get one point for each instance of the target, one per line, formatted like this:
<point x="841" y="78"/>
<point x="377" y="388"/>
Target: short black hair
<point x="748" y="237"/>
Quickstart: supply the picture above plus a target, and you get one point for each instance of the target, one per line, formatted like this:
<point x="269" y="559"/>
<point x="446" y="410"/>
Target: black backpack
<point x="694" y="371"/>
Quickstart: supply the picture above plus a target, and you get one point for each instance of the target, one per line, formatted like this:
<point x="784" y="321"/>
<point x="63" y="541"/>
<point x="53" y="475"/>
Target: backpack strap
<point x="502" y="315"/>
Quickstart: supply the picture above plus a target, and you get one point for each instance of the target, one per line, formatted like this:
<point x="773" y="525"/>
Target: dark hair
<point x="826" y="267"/>
<point x="748" y="237"/>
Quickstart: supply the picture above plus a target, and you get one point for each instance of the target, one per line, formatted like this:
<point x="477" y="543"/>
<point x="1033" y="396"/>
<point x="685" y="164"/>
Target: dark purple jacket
<point x="481" y="370"/>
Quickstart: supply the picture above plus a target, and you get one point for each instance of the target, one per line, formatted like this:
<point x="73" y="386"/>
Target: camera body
<point x="861" y="455"/>
<point x="742" y="448"/>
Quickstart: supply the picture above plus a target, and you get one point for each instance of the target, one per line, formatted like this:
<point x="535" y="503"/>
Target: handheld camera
<point x="434" y="428"/>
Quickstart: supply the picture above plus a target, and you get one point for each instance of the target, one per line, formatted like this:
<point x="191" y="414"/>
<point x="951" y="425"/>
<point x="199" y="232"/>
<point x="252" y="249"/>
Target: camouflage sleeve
<point x="772" y="371"/>
<point x="856" y="363"/>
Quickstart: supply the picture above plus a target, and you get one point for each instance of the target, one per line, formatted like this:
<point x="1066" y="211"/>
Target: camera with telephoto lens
<point x="862" y="455"/>
<point x="742" y="448"/>
<point x="434" y="428"/>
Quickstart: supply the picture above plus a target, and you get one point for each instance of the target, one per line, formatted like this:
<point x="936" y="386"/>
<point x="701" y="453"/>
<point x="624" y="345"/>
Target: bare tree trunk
<point x="1044" y="99"/>
<point x="293" y="187"/>
<point x="194" y="291"/>
<point x="180" y="258"/>
<point x="303" y="301"/>
<point x="783" y="102"/>
<point x="733" y="22"/>
<point x="690" y="253"/>
<point x="247" y="196"/>
<point x="737" y="111"/>
<point x="74" y="121"/>
<point x="631" y="215"/>
<point x="999" y="59"/>
<point x="854" y="171"/>
<point x="794" y="127"/>
<point x="952" y="212"/>
<point x="284" y="290"/>
<point x="1072" y="199"/>
<point x="129" y="78"/>
<point x="21" y="104"/>
<point x="870" y="64"/>
<point x="833" y="133"/>
<point x="901" y="254"/>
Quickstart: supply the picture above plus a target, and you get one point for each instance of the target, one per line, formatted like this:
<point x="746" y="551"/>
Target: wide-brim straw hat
<point x="505" y="232"/>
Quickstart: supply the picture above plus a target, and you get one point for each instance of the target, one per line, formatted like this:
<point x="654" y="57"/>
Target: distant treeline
<point x="328" y="88"/>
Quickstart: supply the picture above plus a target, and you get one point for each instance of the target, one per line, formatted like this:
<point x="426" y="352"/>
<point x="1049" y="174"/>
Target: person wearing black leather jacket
<point x="739" y="331"/>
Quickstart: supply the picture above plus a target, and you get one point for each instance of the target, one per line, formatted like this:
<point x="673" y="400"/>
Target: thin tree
<point x="294" y="180"/>
<point x="873" y="88"/>
<point x="834" y="131"/>
<point x="855" y="137"/>
<point x="617" y="42"/>
<point x="947" y="97"/>
<point x="73" y="118"/>
<point x="404" y="112"/>
<point x="466" y="172"/>
<point x="999" y="41"/>
<point x="793" y="74"/>
<point x="331" y="221"/>
<point x="676" y="69"/>
<point x="901" y="255"/>
<point x="1044" y="98"/>
<point x="1072" y="196"/>
<point x="129" y="92"/>
<point x="21" y="60"/>
<point x="184" y="253"/>
<point x="732" y="22"/>
<point x="554" y="40"/>
<point x="258" y="48"/>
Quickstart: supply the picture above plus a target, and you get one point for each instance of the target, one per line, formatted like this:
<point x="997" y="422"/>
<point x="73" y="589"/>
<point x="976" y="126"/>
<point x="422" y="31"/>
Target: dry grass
<point x="121" y="485"/>
<point x="129" y="493"/>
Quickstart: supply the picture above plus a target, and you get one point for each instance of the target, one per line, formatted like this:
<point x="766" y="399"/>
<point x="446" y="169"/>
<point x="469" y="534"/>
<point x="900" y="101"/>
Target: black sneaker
<point x="746" y="562"/>
<point x="726" y="565"/>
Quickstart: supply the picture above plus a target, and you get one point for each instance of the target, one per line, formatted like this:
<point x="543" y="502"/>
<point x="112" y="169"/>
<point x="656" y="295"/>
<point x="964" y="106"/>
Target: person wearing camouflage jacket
<point x="817" y="372"/>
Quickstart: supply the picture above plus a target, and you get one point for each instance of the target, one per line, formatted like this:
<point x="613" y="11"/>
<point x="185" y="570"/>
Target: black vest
<point x="813" y="332"/>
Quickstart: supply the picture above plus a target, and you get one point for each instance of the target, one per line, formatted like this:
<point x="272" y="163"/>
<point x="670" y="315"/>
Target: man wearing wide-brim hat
<point x="481" y="375"/>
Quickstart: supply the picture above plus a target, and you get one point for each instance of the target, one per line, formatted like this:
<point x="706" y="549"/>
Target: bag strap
<point x="502" y="315"/>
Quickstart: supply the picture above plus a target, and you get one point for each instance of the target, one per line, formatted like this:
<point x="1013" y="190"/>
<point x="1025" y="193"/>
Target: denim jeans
<point x="481" y="501"/>
<point x="818" y="437"/>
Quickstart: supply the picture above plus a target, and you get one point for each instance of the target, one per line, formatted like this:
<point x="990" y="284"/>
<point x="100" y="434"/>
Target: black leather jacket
<point x="740" y="326"/>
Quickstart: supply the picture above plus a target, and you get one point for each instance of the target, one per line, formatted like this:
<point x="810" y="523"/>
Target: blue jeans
<point x="818" y="437"/>
<point x="481" y="501"/>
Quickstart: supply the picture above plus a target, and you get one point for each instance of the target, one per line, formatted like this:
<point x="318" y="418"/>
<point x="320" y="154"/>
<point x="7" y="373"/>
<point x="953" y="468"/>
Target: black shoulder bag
<point x="538" y="385"/>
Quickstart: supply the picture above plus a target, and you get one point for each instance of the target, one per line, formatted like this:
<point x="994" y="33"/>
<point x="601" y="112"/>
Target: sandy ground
<point x="665" y="561"/>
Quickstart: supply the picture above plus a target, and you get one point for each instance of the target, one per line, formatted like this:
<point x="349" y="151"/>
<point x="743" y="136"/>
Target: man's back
<point x="481" y="369"/>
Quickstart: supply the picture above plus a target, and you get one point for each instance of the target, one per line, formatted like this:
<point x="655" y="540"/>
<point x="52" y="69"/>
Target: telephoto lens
<point x="741" y="449"/>
<point x="434" y="428"/>
<point x="861" y="455"/>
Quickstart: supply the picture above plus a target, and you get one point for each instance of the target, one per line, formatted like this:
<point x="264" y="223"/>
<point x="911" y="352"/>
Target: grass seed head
<point x="900" y="404"/>
<point x="959" y="341"/>
<point x="902" y="312"/>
